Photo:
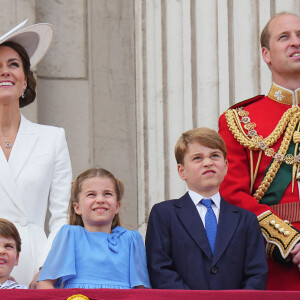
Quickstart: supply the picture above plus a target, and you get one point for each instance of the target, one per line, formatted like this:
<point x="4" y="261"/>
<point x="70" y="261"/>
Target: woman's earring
<point x="23" y="94"/>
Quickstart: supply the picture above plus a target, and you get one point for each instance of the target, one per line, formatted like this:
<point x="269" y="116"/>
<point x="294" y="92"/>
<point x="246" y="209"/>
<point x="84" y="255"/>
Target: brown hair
<point x="75" y="219"/>
<point x="30" y="93"/>
<point x="9" y="230"/>
<point x="204" y="136"/>
<point x="265" y="34"/>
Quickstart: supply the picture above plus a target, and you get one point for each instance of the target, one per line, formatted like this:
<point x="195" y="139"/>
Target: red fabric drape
<point x="95" y="294"/>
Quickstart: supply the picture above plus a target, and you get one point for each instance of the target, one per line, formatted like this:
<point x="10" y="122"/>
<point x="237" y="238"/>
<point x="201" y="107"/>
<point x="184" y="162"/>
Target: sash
<point x="281" y="181"/>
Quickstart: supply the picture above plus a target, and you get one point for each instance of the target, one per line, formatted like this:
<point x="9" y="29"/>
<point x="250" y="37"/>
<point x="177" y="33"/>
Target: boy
<point x="10" y="248"/>
<point x="200" y="241"/>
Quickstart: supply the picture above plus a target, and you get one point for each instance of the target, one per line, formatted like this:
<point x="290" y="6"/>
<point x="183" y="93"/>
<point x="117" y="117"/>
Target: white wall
<point x="126" y="77"/>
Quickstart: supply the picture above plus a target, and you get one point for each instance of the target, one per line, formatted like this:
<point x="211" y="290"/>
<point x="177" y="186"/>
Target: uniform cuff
<point x="279" y="233"/>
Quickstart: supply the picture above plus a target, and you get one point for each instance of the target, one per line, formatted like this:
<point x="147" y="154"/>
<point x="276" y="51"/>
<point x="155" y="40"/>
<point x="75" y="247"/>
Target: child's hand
<point x="46" y="284"/>
<point x="33" y="283"/>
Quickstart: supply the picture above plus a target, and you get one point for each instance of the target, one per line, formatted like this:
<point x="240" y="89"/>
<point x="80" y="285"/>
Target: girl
<point x="94" y="251"/>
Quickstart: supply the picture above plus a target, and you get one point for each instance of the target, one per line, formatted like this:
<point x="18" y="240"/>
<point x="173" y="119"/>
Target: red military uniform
<point x="262" y="136"/>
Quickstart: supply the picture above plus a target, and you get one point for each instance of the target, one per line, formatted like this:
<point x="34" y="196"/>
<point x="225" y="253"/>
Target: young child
<point x="94" y="251"/>
<point x="10" y="248"/>
<point x="200" y="241"/>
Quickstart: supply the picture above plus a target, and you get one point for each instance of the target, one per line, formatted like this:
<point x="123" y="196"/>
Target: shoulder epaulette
<point x="246" y="102"/>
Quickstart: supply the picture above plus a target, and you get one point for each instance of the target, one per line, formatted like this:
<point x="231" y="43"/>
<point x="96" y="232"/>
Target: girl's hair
<point x="75" y="219"/>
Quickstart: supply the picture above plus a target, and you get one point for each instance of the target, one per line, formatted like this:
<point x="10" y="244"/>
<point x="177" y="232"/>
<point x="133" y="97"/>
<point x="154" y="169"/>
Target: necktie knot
<point x="207" y="202"/>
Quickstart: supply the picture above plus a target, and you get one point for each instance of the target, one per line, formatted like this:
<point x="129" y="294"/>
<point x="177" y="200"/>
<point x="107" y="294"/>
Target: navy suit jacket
<point x="179" y="255"/>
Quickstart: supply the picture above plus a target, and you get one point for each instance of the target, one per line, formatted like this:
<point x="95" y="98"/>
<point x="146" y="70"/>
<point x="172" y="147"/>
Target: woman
<point x="34" y="160"/>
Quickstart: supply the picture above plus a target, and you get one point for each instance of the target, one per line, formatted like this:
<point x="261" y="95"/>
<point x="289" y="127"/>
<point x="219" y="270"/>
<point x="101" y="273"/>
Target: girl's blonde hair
<point x="75" y="219"/>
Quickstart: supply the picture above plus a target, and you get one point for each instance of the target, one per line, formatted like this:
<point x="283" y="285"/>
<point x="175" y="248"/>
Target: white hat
<point x="35" y="39"/>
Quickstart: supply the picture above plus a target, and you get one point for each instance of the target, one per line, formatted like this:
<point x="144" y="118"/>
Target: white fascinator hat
<point x="35" y="39"/>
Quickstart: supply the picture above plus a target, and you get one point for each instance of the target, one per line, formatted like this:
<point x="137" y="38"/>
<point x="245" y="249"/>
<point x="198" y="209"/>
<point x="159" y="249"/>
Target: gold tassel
<point x="296" y="140"/>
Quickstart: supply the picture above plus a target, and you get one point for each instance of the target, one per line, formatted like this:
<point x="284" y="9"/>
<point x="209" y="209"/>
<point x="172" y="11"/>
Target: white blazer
<point x="37" y="174"/>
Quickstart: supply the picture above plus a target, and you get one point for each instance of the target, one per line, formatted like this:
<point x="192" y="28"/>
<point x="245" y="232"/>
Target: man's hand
<point x="296" y="255"/>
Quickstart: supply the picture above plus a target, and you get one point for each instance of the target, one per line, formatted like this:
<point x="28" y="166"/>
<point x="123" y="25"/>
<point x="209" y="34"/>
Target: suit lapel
<point x="189" y="216"/>
<point x="23" y="147"/>
<point x="8" y="183"/>
<point x="228" y="221"/>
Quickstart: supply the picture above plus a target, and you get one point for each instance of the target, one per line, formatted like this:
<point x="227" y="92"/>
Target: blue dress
<point x="83" y="259"/>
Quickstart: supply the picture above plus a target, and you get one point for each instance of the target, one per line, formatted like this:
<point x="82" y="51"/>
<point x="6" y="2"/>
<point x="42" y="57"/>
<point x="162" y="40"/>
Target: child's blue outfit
<point x="83" y="259"/>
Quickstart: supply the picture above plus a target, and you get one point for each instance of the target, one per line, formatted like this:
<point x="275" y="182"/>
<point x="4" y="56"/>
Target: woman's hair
<point x="9" y="230"/>
<point x="75" y="219"/>
<point x="30" y="93"/>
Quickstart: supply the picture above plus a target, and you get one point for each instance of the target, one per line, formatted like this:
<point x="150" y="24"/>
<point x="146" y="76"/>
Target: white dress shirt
<point x="196" y="198"/>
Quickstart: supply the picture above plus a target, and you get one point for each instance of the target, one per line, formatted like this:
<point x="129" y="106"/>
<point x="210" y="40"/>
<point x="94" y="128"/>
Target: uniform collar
<point x="283" y="95"/>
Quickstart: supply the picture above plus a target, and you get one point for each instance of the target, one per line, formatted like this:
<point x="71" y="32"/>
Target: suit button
<point x="214" y="270"/>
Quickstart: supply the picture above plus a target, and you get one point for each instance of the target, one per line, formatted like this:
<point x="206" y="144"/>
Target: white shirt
<point x="196" y="198"/>
<point x="8" y="284"/>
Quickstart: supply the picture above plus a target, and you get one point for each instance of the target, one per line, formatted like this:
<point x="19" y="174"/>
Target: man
<point x="262" y="135"/>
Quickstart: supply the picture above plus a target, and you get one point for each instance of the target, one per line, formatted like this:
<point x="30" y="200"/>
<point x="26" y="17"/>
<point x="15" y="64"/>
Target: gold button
<point x="272" y="222"/>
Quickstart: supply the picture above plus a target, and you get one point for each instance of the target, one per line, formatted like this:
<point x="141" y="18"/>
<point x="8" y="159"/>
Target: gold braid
<point x="250" y="143"/>
<point x="268" y="179"/>
<point x="289" y="120"/>
<point x="233" y="124"/>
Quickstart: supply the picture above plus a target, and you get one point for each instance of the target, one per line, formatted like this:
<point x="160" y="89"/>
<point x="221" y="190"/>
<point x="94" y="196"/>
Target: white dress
<point x="38" y="171"/>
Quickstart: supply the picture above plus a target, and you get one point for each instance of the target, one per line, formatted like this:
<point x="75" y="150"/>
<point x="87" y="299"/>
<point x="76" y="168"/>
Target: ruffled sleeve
<point x="60" y="262"/>
<point x="138" y="266"/>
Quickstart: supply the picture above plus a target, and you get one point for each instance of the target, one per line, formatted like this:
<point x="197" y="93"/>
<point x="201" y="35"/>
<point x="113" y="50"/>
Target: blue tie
<point x="210" y="223"/>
